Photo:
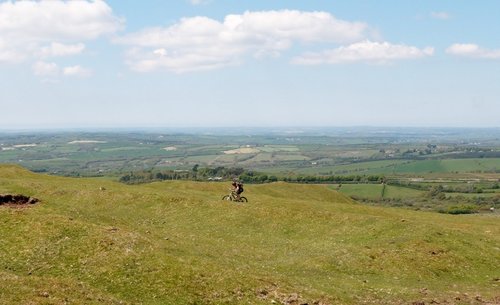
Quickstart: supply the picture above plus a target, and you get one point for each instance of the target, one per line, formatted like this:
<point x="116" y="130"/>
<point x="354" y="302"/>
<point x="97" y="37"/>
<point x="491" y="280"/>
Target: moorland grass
<point x="93" y="241"/>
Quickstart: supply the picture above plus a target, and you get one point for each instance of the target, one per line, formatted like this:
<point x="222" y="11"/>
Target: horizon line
<point x="279" y="127"/>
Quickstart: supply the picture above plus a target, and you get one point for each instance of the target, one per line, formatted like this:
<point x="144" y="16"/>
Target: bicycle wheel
<point x="227" y="197"/>
<point x="243" y="199"/>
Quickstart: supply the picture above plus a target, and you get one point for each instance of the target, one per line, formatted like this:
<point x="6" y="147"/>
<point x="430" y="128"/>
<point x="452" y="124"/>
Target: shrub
<point x="462" y="209"/>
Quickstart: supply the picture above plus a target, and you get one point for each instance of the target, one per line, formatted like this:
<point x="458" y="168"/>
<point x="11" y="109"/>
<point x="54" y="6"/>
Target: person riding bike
<point x="237" y="188"/>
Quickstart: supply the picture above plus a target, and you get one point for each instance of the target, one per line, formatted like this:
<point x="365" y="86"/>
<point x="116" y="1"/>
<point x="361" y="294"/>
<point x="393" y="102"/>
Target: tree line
<point x="247" y="176"/>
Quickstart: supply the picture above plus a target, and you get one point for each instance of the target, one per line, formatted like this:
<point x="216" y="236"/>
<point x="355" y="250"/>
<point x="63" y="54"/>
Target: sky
<point x="258" y="63"/>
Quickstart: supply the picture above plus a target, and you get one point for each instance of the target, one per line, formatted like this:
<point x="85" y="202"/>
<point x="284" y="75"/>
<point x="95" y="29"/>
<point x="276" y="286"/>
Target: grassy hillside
<point x="178" y="243"/>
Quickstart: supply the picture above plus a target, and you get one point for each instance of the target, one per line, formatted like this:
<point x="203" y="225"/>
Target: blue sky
<point x="180" y="63"/>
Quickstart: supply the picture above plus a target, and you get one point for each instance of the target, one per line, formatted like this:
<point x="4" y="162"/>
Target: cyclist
<point x="237" y="188"/>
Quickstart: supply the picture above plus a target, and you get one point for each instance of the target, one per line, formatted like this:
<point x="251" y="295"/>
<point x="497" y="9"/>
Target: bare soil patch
<point x="17" y="200"/>
<point x="170" y="148"/>
<point x="243" y="150"/>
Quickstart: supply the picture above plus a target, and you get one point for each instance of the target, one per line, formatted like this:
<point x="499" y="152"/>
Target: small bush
<point x="463" y="209"/>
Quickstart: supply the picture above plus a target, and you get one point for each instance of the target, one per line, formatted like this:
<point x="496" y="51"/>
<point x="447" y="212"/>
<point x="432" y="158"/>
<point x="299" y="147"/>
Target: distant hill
<point x="95" y="241"/>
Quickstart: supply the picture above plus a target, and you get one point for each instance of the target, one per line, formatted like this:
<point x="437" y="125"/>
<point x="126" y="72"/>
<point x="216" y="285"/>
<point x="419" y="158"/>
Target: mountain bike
<point x="233" y="197"/>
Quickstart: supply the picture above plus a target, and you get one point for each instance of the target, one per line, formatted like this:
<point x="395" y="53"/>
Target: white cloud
<point x="48" y="28"/>
<point x="440" y="15"/>
<point x="200" y="43"/>
<point x="366" y="51"/>
<point x="58" y="49"/>
<point x="473" y="51"/>
<point x="8" y="54"/>
<point x="42" y="68"/>
<point x="77" y="71"/>
<point x="51" y="69"/>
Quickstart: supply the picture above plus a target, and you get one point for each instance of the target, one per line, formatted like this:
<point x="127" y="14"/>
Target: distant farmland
<point x="111" y="154"/>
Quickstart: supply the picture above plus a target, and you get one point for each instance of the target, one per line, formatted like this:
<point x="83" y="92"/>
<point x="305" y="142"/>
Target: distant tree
<point x="435" y="191"/>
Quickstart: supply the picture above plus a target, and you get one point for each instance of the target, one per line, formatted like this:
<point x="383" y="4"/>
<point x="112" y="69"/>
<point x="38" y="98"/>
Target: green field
<point x="371" y="191"/>
<point x="408" y="167"/>
<point x="402" y="192"/>
<point x="445" y="166"/>
<point x="178" y="243"/>
<point x="421" y="199"/>
<point x="277" y="148"/>
<point x="473" y="195"/>
<point x="374" y="191"/>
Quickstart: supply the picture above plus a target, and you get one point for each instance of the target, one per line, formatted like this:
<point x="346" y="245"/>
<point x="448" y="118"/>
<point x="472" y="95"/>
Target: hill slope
<point x="178" y="243"/>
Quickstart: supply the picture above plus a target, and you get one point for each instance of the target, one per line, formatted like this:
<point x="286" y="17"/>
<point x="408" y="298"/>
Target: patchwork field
<point x="401" y="152"/>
